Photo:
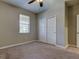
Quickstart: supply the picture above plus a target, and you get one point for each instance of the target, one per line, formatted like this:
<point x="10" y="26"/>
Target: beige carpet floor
<point x="37" y="50"/>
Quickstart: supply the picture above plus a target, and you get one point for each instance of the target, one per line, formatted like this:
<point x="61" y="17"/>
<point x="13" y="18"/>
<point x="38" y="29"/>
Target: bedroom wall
<point x="71" y="26"/>
<point x="55" y="8"/>
<point x="9" y="25"/>
<point x="66" y="24"/>
<point x="73" y="12"/>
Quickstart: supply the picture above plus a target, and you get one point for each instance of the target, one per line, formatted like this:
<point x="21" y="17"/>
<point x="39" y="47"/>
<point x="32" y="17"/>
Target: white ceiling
<point x="34" y="7"/>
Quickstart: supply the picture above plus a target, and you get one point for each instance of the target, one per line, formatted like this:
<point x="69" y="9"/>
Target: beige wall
<point x="73" y="11"/>
<point x="66" y="24"/>
<point x="56" y="8"/>
<point x="9" y="25"/>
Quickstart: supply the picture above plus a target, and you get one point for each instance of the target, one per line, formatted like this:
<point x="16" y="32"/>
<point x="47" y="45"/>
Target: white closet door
<point x="51" y="30"/>
<point x="77" y="31"/>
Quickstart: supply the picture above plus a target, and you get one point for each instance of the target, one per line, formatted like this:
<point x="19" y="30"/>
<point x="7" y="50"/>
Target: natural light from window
<point x="24" y="24"/>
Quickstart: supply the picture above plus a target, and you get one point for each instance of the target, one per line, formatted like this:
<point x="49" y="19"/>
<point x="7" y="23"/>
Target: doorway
<point x="51" y="30"/>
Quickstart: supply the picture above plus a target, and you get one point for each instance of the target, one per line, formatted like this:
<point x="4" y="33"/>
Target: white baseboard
<point x="45" y="43"/>
<point x="64" y="47"/>
<point x="56" y="45"/>
<point x="13" y="45"/>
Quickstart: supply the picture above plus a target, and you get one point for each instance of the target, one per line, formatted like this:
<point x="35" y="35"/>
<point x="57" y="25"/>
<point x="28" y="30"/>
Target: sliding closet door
<point x="51" y="30"/>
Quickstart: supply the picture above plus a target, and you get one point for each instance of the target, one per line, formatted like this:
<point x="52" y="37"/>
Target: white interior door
<point x="51" y="30"/>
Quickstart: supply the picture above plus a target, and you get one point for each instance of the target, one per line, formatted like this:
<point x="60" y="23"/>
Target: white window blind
<point x="24" y="24"/>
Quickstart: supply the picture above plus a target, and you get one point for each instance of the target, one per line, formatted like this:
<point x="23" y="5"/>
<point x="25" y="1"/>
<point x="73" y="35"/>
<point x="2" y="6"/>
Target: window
<point x="24" y="24"/>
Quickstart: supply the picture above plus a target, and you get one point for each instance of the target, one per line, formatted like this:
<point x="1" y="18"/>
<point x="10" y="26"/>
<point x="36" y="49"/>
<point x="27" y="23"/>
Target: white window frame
<point x="20" y="25"/>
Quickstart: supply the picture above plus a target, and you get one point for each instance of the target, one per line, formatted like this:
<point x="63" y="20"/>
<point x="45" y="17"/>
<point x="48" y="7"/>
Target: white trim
<point x="46" y="43"/>
<point x="64" y="47"/>
<point x="13" y="45"/>
<point x="54" y="44"/>
<point x="60" y="46"/>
